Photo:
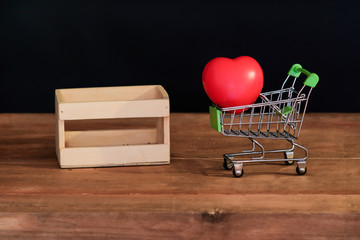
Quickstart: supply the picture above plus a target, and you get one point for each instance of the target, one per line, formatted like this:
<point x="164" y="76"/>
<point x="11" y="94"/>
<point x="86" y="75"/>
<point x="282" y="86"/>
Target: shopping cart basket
<point x="276" y="115"/>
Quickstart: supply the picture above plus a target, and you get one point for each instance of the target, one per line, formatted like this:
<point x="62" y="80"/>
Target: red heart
<point x="233" y="82"/>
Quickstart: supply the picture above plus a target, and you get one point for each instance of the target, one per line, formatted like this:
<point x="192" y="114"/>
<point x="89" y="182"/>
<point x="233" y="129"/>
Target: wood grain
<point x="193" y="197"/>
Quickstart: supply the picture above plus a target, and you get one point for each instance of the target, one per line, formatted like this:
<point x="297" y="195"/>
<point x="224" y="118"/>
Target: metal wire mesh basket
<point x="276" y="115"/>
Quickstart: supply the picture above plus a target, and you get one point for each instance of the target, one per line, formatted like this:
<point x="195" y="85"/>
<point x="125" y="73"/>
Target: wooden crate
<point x="120" y="147"/>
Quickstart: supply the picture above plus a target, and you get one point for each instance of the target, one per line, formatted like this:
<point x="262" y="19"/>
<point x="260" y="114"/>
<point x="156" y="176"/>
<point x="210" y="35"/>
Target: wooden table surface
<point x="192" y="198"/>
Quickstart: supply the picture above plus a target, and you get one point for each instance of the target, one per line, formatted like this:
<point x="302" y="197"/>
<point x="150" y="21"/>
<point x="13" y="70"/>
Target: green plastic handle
<point x="215" y="118"/>
<point x="312" y="78"/>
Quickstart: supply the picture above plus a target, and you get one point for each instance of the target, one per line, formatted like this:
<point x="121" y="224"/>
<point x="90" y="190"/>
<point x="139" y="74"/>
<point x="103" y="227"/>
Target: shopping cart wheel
<point x="238" y="173"/>
<point x="289" y="155"/>
<point x="228" y="165"/>
<point x="301" y="171"/>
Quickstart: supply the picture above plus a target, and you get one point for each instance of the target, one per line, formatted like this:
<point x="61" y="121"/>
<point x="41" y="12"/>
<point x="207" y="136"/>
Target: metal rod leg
<point x="253" y="147"/>
<point x="303" y="148"/>
<point x="262" y="150"/>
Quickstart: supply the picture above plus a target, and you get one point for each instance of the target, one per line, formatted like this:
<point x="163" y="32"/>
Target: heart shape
<point x="233" y="82"/>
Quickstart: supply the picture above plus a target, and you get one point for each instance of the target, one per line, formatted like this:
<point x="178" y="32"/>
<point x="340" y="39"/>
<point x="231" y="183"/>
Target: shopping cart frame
<point x="276" y="115"/>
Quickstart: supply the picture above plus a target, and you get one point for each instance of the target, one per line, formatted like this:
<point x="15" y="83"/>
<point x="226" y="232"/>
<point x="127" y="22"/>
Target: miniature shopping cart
<point x="276" y="115"/>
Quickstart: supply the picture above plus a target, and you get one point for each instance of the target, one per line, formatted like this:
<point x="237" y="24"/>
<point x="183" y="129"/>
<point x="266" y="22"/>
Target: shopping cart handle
<point x="312" y="78"/>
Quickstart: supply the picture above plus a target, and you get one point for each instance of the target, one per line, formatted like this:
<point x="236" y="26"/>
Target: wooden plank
<point x="144" y="225"/>
<point x="60" y="137"/>
<point x="150" y="154"/>
<point x="104" y="94"/>
<point x="100" y="138"/>
<point x="114" y="109"/>
<point x="163" y="130"/>
<point x="201" y="176"/>
<point x="166" y="130"/>
<point x="269" y="203"/>
<point x="59" y="130"/>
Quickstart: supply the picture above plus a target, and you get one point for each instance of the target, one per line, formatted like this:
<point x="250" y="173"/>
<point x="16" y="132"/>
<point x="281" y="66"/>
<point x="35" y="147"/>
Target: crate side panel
<point x="115" y="156"/>
<point x="114" y="109"/>
<point x="101" y="94"/>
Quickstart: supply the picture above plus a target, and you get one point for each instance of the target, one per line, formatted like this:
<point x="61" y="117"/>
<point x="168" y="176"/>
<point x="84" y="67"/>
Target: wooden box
<point x="120" y="147"/>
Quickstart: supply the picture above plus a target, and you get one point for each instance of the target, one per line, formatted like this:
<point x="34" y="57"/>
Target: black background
<point x="45" y="45"/>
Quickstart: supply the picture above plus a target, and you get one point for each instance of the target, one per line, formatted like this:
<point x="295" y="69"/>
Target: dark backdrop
<point x="46" y="45"/>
